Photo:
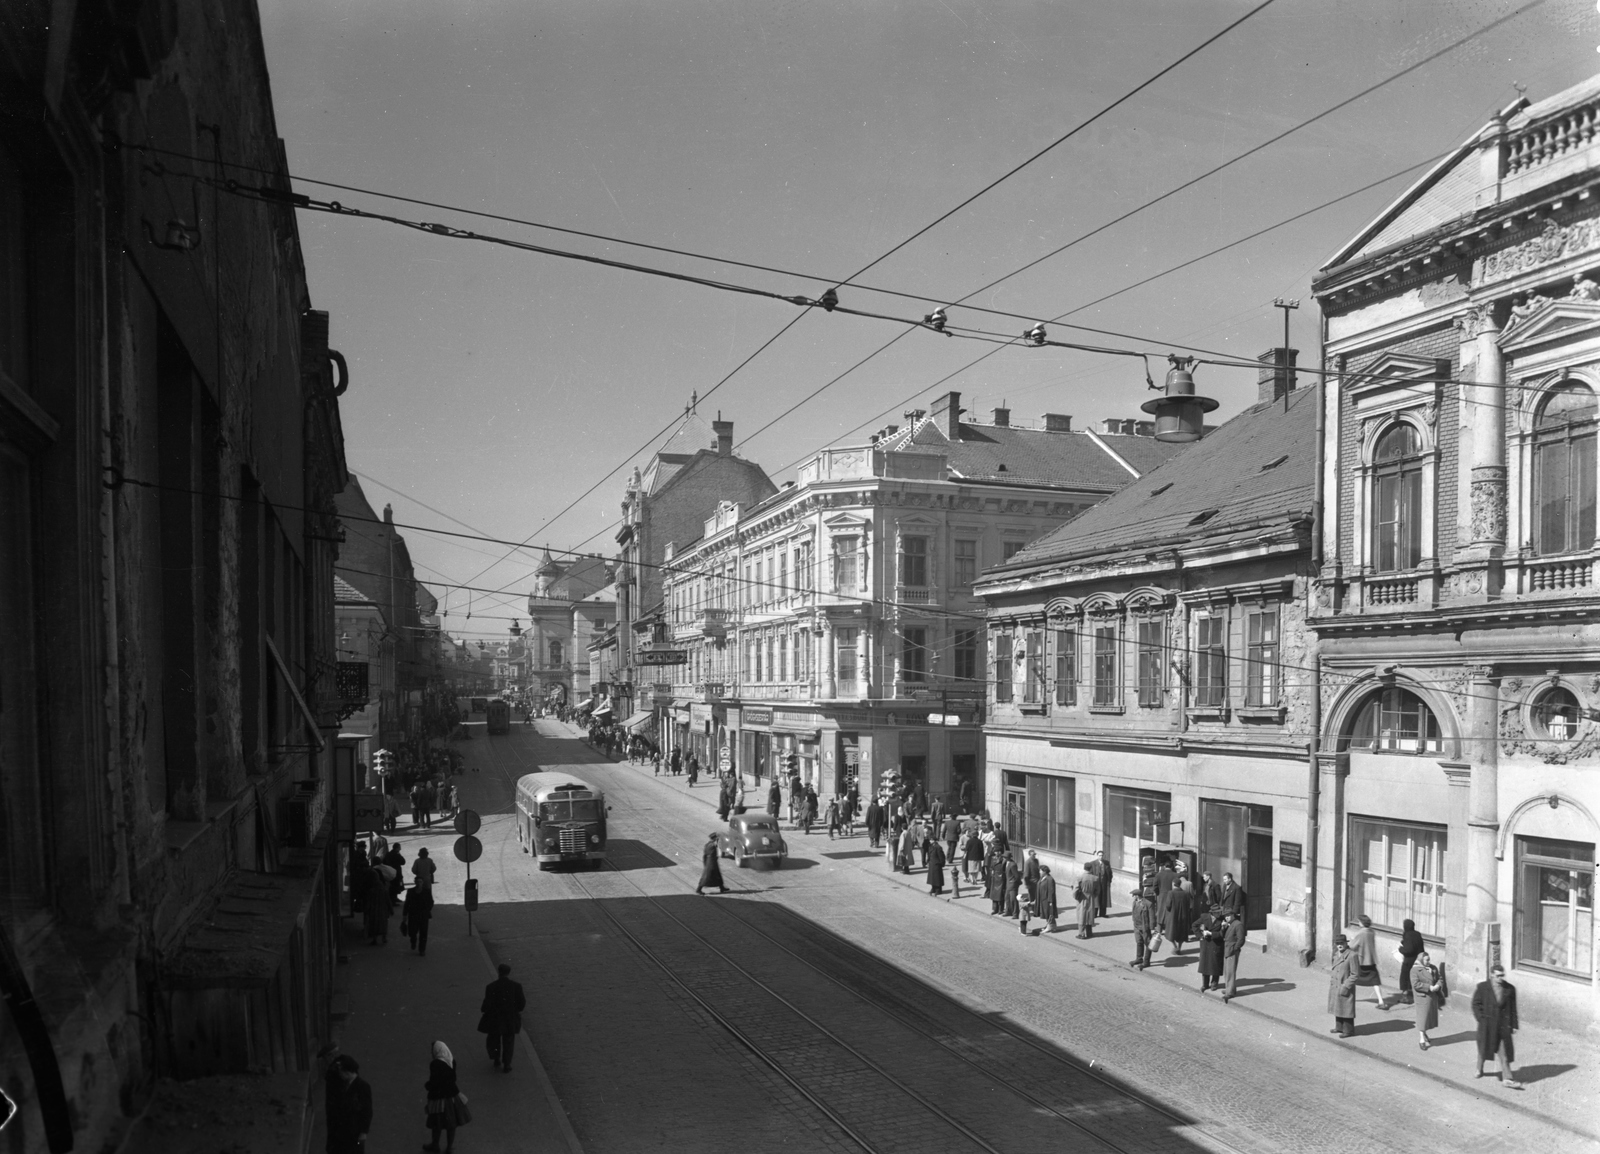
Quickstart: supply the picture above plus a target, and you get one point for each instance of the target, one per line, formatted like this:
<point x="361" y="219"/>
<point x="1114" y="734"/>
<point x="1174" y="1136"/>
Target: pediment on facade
<point x="1147" y="599"/>
<point x="1102" y="605"/>
<point x="841" y="521"/>
<point x="1062" y="608"/>
<point x="1447" y="191"/>
<point x="1393" y="370"/>
<point x="1542" y="320"/>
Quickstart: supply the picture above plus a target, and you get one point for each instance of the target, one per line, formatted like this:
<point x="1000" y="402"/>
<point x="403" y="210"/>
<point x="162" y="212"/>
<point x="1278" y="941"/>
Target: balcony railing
<point x="914" y="594"/>
<point x="1387" y="591"/>
<point x="1558" y="576"/>
<point x="1552" y="139"/>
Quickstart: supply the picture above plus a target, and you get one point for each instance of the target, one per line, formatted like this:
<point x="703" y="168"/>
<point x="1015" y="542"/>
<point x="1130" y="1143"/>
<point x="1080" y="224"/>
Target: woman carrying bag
<point x="447" y="1105"/>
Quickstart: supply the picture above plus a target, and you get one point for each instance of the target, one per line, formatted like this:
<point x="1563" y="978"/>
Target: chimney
<point x="1145" y="428"/>
<point x="946" y="414"/>
<point x="1002" y="418"/>
<point x="1276" y="377"/>
<point x="1057" y="423"/>
<point x="1111" y="425"/>
<point x="724" y="431"/>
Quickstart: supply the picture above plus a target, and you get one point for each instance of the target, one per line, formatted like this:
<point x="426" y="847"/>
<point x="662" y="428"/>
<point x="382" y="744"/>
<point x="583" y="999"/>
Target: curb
<point x="541" y="1075"/>
<point x="1508" y="1102"/>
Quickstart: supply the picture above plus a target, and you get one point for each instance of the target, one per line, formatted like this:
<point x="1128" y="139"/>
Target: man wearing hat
<point x="1232" y="947"/>
<point x="1144" y="928"/>
<point x="1342" y="988"/>
<point x="1494" y="1004"/>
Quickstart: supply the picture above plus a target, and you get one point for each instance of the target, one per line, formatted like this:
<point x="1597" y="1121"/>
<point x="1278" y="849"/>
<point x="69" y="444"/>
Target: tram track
<point x="870" y="1105"/>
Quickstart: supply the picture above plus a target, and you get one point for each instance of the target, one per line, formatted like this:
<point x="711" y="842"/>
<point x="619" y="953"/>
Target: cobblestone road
<point x="1005" y="1036"/>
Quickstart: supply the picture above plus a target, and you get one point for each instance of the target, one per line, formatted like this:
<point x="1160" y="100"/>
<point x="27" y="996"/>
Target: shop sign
<point x="663" y="657"/>
<point x="757" y="715"/>
<point x="1289" y="854"/>
<point x="699" y="713"/>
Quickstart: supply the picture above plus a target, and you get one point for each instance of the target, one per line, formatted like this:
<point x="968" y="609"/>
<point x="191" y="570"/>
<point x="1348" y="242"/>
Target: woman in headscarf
<point x="379" y="904"/>
<point x="1410" y="949"/>
<point x="444" y="1098"/>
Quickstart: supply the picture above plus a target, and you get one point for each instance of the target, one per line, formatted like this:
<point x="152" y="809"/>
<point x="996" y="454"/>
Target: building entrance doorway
<point x="1237" y="839"/>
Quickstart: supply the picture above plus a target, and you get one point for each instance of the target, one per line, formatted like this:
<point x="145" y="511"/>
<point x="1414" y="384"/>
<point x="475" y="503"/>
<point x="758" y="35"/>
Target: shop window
<point x="1555" y="715"/>
<point x="966" y="563"/>
<point x="1397" y="872"/>
<point x="1261" y="688"/>
<point x="965" y="656"/>
<point x="1397" y="500"/>
<point x="845" y="564"/>
<point x="1041" y="811"/>
<point x="1395" y="720"/>
<point x="914" y="561"/>
<point x="1555" y="905"/>
<point x="914" y="654"/>
<point x="1002" y="665"/>
<point x="1211" y="661"/>
<point x="1107" y="687"/>
<point x="1134" y="816"/>
<point x="1150" y="658"/>
<point x="1564" y="471"/>
<point x="1066" y="667"/>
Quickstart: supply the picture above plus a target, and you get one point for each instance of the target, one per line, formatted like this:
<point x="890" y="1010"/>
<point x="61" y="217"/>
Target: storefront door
<point x="1237" y="839"/>
<point x="847" y="765"/>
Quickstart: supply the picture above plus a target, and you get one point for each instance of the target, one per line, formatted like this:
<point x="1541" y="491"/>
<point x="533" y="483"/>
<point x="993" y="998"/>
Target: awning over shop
<point x="584" y="704"/>
<point x="603" y="710"/>
<point x="640" y="720"/>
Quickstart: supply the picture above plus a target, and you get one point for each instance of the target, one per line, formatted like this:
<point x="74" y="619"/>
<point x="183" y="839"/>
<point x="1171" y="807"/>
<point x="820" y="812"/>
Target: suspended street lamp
<point x="1180" y="415"/>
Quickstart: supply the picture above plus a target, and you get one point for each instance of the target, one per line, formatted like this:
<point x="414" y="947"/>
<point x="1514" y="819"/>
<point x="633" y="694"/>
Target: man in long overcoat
<point x="348" y="1108"/>
<point x="874" y="821"/>
<point x="1045" y="906"/>
<point x="1030" y="874"/>
<point x="1494" y="1005"/>
<point x="724" y="795"/>
<point x="1342" y="989"/>
<point x="1101" y="870"/>
<point x="1233" y="897"/>
<point x="501" y="1020"/>
<point x="997" y="881"/>
<point x="1209" y="929"/>
<point x="1232" y="947"/>
<point x="1144" y="928"/>
<point x="774" y="798"/>
<point x="1013" y="885"/>
<point x="935" y="869"/>
<point x="711" y="867"/>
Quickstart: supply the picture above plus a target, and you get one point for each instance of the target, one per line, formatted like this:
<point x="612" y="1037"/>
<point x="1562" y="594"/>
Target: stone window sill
<point x="1035" y="708"/>
<point x="1271" y="713"/>
<point x="1106" y="709"/>
<point x="1208" y="713"/>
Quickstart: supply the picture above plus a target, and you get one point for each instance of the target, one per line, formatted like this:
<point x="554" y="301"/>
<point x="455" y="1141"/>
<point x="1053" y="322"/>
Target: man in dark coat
<point x="348" y="1108"/>
<point x="1144" y="929"/>
<point x="951" y="833"/>
<point x="724" y="795"/>
<point x="1030" y="874"/>
<point x="711" y="867"/>
<point x="1210" y="929"/>
<point x="1013" y="886"/>
<point x="997" y="882"/>
<point x="1342" y="988"/>
<point x="503" y="1003"/>
<point x="1494" y="1005"/>
<point x="935" y="870"/>
<point x="874" y="821"/>
<point x="919" y="800"/>
<point x="936" y="812"/>
<point x="397" y="860"/>
<point x="1173" y="912"/>
<point x="1208" y="893"/>
<point x="1233" y="898"/>
<point x="965" y="796"/>
<point x="972" y="861"/>
<point x="1045" y="905"/>
<point x="774" y="797"/>
<point x="1232" y="947"/>
<point x="1101" y="869"/>
<point x="415" y="916"/>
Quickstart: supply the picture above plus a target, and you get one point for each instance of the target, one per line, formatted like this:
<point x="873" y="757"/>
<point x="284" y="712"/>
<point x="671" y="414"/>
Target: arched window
<point x="1397" y="500"/>
<point x="1395" y="720"/>
<point x="1564" y="470"/>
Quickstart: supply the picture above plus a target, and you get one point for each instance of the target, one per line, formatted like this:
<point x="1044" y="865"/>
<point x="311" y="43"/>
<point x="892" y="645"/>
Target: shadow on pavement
<point x="625" y="854"/>
<point x="1540" y="1073"/>
<point x="845" y="855"/>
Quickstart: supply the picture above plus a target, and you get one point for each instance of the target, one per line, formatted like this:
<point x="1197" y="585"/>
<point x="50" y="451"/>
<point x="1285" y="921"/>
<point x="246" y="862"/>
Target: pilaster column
<point x="1483" y="817"/>
<point x="830" y="683"/>
<point x="1485" y="420"/>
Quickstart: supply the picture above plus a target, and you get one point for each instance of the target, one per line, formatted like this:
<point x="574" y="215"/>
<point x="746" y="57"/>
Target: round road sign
<point x="468" y="821"/>
<point x="468" y="848"/>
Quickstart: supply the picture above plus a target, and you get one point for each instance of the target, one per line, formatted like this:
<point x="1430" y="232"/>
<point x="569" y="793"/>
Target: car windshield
<point x="588" y="810"/>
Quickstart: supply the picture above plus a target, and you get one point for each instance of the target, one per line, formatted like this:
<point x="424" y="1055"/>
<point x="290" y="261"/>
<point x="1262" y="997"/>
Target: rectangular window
<point x="772" y="666"/>
<point x="914" y="655"/>
<point x="1261" y="688"/>
<point x="1033" y="691"/>
<point x="1211" y="661"/>
<point x="966" y="563"/>
<point x="1041" y="811"/>
<point x="1002" y="665"/>
<point x="1066" y="667"/>
<point x="1107" y="688"/>
<point x="1555" y="905"/>
<point x="845" y="564"/>
<point x="966" y="656"/>
<point x="749" y="589"/>
<point x="1134" y="816"/>
<point x="1397" y="872"/>
<point x="1151" y="663"/>
<point x="1010" y="549"/>
<point x="844" y="645"/>
<point x="914" y="561"/>
<point x="1399" y="517"/>
<point x="783" y="573"/>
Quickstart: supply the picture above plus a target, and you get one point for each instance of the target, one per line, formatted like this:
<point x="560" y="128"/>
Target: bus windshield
<point x="587" y="810"/>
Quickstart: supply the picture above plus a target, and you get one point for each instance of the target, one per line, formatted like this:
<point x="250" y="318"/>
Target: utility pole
<point x="1287" y="304"/>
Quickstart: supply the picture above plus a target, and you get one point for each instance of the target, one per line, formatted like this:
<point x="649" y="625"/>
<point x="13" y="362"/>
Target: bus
<point x="499" y="711"/>
<point x="561" y="818"/>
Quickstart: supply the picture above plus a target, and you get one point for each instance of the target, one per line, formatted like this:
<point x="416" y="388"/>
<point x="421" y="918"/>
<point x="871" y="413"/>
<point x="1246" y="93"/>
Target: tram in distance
<point x="561" y="818"/>
<point x="499" y="712"/>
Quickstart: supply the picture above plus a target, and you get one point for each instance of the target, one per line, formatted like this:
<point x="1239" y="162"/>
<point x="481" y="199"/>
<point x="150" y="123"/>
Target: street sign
<point x="725" y="759"/>
<point x="369" y="812"/>
<point x="468" y="848"/>
<point x="468" y="821"/>
<point x="663" y="657"/>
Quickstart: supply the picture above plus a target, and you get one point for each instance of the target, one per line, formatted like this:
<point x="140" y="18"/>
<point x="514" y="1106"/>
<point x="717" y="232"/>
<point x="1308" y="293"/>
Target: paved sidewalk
<point x="399" y="1004"/>
<point x="1561" y="1071"/>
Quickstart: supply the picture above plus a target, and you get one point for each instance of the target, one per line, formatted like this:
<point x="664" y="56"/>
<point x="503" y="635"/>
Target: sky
<point x="490" y="387"/>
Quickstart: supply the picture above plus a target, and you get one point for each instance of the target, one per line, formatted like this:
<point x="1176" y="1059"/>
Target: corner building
<point x="1150" y="683"/>
<point x="1456" y="600"/>
<point x="835" y="621"/>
